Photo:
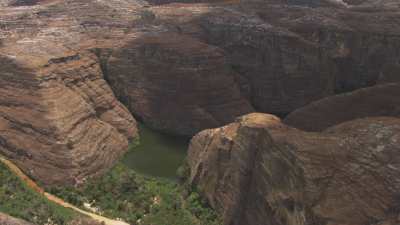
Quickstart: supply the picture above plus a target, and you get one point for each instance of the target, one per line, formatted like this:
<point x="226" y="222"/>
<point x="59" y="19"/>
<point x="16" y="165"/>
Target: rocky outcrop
<point x="61" y="123"/>
<point x="278" y="70"/>
<point x="282" y="54"/>
<point x="360" y="39"/>
<point x="380" y="100"/>
<point x="59" y="120"/>
<point x="260" y="171"/>
<point x="8" y="220"/>
<point x="290" y="53"/>
<point x="180" y="68"/>
<point x="176" y="84"/>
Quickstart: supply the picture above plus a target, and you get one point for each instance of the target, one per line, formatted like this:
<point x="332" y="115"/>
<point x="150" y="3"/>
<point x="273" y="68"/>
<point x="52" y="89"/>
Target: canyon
<point x="293" y="106"/>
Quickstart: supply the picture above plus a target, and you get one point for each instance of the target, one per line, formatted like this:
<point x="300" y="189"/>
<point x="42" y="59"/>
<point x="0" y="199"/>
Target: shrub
<point x="18" y="200"/>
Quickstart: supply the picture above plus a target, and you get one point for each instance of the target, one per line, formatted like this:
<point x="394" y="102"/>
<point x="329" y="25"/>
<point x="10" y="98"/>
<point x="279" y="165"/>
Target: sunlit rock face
<point x="260" y="171"/>
<point x="178" y="67"/>
<point x="59" y="120"/>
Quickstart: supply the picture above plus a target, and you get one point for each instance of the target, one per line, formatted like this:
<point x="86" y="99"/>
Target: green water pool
<point x="157" y="155"/>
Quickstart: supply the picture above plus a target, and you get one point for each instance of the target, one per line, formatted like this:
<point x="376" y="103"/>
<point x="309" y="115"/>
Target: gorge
<point x="288" y="110"/>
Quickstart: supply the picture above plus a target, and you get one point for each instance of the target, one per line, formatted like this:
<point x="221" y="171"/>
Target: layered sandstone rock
<point x="178" y="67"/>
<point x="283" y="54"/>
<point x="176" y="84"/>
<point x="59" y="120"/>
<point x="380" y="100"/>
<point x="290" y="53"/>
<point x="360" y="39"/>
<point x="260" y="171"/>
<point x="61" y="123"/>
<point x="278" y="70"/>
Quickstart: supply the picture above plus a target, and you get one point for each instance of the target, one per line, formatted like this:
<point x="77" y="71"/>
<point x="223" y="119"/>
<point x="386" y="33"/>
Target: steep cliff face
<point x="289" y="54"/>
<point x="176" y="84"/>
<point x="281" y="71"/>
<point x="362" y="39"/>
<point x="61" y="123"/>
<point x="380" y="100"/>
<point x="59" y="120"/>
<point x="180" y="68"/>
<point x="278" y="70"/>
<point x="276" y="55"/>
<point x="260" y="171"/>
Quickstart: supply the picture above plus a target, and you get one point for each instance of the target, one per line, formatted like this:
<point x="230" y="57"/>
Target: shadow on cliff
<point x="210" y="66"/>
<point x="300" y="59"/>
<point x="276" y="63"/>
<point x="175" y="83"/>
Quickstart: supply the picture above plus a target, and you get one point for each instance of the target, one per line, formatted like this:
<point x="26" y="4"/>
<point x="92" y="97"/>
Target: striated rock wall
<point x="62" y="123"/>
<point x="178" y="67"/>
<point x="288" y="55"/>
<point x="278" y="71"/>
<point x="362" y="42"/>
<point x="176" y="84"/>
<point x="260" y="171"/>
<point x="59" y="119"/>
<point x="380" y="100"/>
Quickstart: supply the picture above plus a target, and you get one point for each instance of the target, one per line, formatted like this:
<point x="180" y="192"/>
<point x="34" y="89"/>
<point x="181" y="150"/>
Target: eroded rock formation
<point x="176" y="84"/>
<point x="380" y="100"/>
<point x="178" y="67"/>
<point x="260" y="171"/>
<point x="61" y="122"/>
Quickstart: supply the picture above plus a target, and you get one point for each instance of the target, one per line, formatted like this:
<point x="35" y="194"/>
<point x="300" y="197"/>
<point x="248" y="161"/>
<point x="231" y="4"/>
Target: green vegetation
<point x="18" y="200"/>
<point x="122" y="193"/>
<point x="139" y="199"/>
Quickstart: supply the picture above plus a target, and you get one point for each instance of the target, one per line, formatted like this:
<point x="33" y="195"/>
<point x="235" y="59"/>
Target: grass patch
<point x="123" y="193"/>
<point x="18" y="200"/>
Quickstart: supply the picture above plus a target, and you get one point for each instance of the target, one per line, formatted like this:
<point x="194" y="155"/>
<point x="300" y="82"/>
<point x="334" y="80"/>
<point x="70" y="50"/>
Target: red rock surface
<point x="178" y="67"/>
<point x="176" y="84"/>
<point x="380" y="100"/>
<point x="260" y="171"/>
<point x="61" y="123"/>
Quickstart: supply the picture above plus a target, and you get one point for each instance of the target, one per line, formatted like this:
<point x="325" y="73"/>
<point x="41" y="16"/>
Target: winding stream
<point x="157" y="155"/>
